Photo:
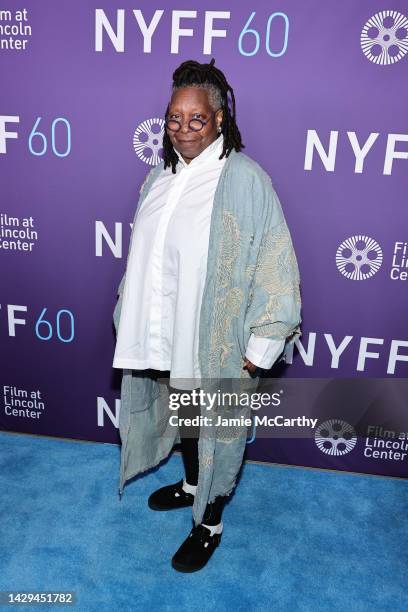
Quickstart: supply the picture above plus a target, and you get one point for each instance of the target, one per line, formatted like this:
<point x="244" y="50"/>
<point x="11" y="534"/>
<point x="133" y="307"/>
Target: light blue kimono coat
<point x="252" y="285"/>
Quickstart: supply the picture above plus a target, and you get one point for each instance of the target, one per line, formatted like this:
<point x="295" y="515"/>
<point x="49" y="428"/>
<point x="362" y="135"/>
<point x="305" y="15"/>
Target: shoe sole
<point x="185" y="569"/>
<point x="153" y="506"/>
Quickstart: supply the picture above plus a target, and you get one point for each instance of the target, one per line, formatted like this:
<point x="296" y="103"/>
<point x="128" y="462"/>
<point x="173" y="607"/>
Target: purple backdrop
<point x="321" y="95"/>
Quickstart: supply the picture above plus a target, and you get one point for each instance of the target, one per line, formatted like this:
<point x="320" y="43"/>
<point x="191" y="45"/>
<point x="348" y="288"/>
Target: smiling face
<point x="191" y="103"/>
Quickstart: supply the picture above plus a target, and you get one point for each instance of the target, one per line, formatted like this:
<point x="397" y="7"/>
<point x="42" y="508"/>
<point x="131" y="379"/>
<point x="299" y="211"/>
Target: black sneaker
<point x="196" y="550"/>
<point x="170" y="497"/>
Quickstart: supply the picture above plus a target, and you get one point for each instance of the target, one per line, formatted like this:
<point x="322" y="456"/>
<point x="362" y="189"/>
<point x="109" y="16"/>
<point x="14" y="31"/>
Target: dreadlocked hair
<point x="212" y="79"/>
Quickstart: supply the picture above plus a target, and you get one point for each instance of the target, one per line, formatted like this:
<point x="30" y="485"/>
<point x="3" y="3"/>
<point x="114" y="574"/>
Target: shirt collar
<point x="213" y="151"/>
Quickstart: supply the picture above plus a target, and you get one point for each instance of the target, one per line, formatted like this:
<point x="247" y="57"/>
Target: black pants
<point x="189" y="451"/>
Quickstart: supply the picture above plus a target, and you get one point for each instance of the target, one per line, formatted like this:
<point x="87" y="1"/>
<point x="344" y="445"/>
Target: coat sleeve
<point x="274" y="306"/>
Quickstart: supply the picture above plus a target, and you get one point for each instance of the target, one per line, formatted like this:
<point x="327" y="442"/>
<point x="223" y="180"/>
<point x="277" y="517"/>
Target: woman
<point x="210" y="294"/>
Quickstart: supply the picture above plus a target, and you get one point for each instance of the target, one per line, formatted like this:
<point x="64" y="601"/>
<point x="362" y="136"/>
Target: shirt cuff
<point x="263" y="352"/>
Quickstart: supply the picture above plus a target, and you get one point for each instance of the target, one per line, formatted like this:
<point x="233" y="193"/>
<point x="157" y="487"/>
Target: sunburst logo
<point x="335" y="437"/>
<point x="148" y="141"/>
<point x="384" y="38"/>
<point x="359" y="257"/>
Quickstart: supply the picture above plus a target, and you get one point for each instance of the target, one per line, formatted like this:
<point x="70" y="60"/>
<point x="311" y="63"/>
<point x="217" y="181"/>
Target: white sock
<point x="188" y="488"/>
<point x="214" y="528"/>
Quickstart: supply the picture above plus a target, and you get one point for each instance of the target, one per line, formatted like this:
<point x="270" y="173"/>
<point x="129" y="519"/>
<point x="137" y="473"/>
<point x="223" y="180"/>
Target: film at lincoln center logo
<point x="148" y="141"/>
<point x="359" y="257"/>
<point x="384" y="38"/>
<point x="335" y="437"/>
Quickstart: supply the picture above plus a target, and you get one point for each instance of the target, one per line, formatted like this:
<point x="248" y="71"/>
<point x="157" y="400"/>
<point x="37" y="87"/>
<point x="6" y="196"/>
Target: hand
<point x="251" y="367"/>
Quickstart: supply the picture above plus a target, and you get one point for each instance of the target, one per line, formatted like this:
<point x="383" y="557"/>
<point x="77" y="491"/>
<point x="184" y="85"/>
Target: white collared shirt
<point x="166" y="271"/>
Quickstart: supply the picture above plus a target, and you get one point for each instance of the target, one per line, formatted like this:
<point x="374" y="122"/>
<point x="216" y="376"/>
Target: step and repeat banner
<point x="321" y="91"/>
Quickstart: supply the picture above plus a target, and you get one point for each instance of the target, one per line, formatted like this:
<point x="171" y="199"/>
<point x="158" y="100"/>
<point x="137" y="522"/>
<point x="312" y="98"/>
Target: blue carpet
<point x="294" y="539"/>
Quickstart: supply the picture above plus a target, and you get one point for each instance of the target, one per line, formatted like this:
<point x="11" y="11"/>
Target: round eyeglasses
<point x="194" y="124"/>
